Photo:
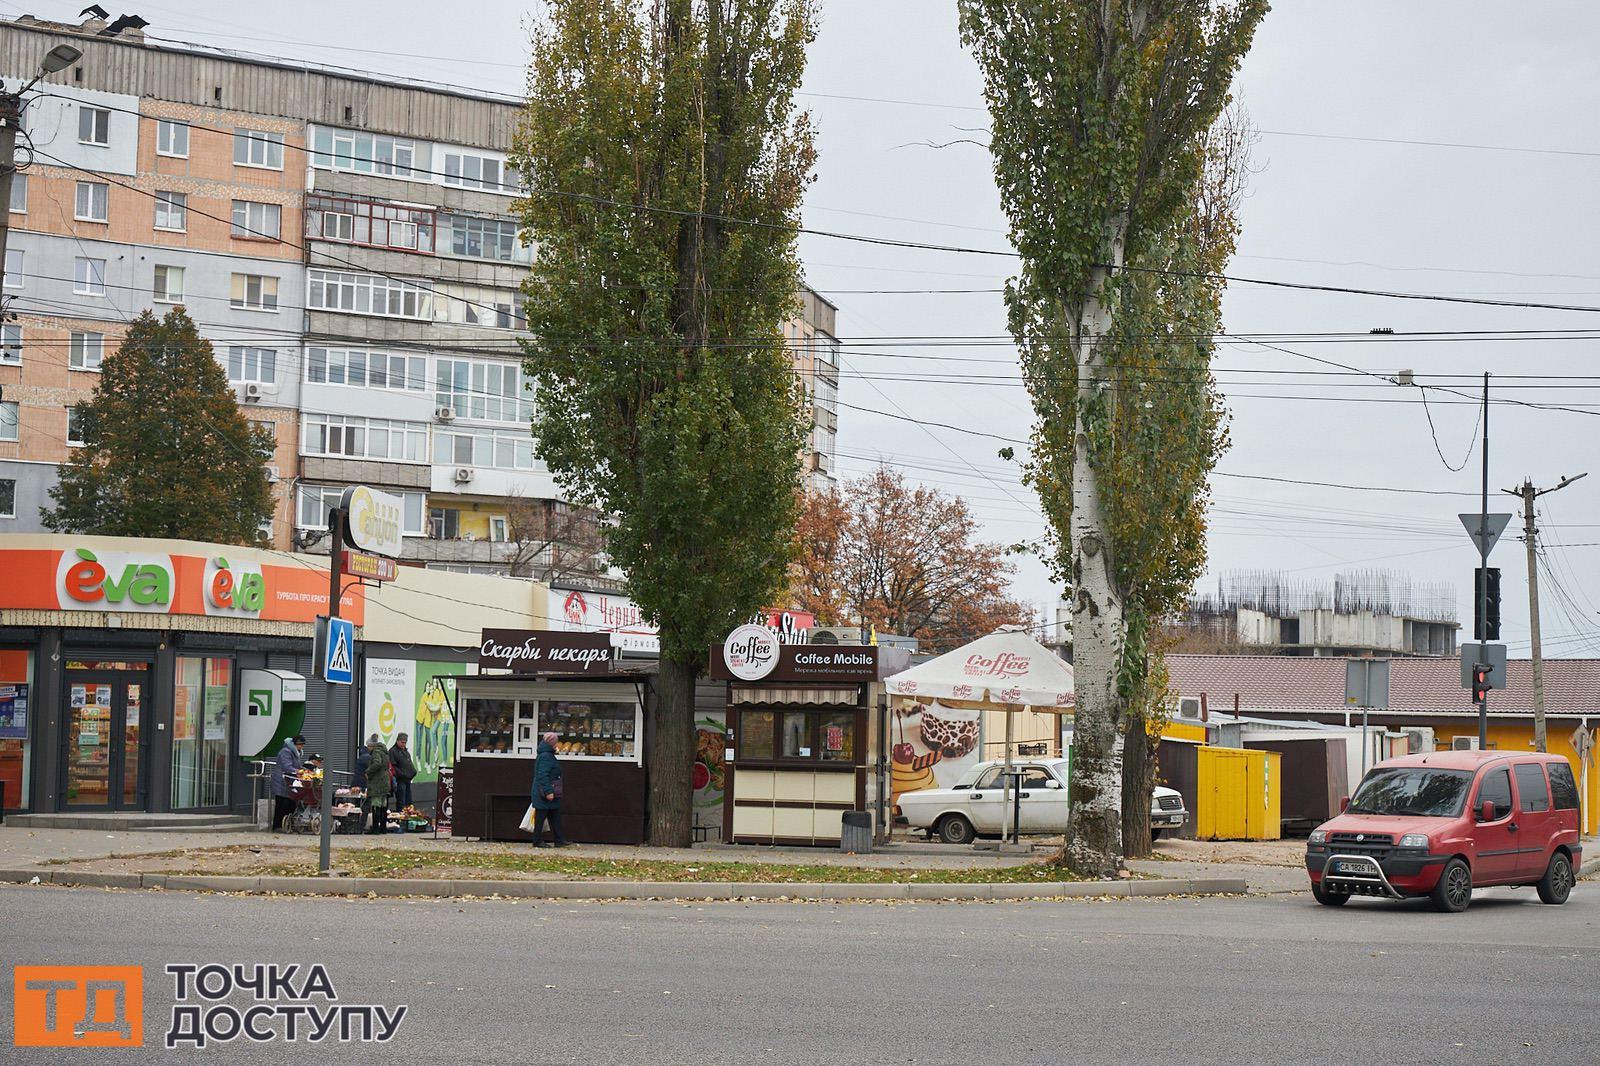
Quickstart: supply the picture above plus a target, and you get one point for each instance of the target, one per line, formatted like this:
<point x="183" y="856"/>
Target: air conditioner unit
<point x="836" y="635"/>
<point x="463" y="475"/>
<point x="1463" y="743"/>
<point x="250" y="392"/>
<point x="444" y="414"/>
<point x="1189" y="707"/>
<point x="273" y="474"/>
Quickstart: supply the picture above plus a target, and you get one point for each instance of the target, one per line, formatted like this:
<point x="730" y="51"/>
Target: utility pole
<point x="1530" y="535"/>
<point x="336" y="521"/>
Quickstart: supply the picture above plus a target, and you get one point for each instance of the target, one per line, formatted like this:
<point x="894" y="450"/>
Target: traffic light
<point x="1486" y="628"/>
<point x="1480" y="683"/>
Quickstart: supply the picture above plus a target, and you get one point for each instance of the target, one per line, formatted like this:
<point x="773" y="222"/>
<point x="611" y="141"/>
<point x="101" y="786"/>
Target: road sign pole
<point x="1483" y="562"/>
<point x="336" y="520"/>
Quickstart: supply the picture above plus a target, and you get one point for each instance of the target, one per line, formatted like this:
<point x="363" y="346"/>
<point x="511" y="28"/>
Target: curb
<point x="1589" y="868"/>
<point x="652" y="890"/>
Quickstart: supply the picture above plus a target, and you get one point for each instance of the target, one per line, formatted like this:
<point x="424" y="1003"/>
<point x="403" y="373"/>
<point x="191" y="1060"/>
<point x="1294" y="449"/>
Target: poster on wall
<point x="13" y="712"/>
<point x="710" y="731"/>
<point x="932" y="745"/>
<point x="418" y="699"/>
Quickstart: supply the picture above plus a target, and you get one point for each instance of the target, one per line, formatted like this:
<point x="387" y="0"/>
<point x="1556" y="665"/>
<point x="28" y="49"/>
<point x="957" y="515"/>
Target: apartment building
<point x="347" y="245"/>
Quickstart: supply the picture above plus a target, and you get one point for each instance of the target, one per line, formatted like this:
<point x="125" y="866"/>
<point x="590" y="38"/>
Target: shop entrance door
<point x="104" y="740"/>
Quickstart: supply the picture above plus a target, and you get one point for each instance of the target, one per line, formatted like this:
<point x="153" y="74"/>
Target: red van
<point x="1443" y="824"/>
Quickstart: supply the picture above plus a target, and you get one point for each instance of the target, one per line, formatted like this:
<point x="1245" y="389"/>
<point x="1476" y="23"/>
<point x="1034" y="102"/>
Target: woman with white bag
<point x="545" y="803"/>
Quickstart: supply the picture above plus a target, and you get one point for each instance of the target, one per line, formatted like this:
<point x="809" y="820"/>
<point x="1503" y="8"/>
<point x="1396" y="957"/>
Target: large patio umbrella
<point x="1007" y="671"/>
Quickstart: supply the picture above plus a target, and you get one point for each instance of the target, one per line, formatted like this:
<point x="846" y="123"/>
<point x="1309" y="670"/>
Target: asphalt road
<point x="1262" y="979"/>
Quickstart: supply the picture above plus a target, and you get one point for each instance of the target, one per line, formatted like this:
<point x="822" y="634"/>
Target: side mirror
<point x="1052" y="783"/>
<point x="1486" y="813"/>
<point x="1344" y="804"/>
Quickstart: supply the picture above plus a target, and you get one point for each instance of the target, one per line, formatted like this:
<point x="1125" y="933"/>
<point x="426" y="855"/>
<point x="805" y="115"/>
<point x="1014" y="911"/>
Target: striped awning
<point x="827" y="696"/>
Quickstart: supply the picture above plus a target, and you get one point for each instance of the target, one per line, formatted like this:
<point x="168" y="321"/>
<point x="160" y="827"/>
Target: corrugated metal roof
<point x="1285" y="682"/>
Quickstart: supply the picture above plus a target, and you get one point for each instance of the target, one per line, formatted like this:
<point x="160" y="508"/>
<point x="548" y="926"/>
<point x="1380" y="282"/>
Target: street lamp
<point x="57" y="59"/>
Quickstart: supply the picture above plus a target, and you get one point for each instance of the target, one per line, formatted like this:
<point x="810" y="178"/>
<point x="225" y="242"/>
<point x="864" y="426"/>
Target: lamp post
<point x="58" y="58"/>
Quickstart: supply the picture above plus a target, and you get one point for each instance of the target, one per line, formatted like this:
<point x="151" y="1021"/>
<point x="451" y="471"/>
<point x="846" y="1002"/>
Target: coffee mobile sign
<point x="539" y="651"/>
<point x="753" y="653"/>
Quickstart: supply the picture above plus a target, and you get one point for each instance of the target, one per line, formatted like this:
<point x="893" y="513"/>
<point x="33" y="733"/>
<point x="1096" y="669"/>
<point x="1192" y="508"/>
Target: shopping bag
<point x="526" y="825"/>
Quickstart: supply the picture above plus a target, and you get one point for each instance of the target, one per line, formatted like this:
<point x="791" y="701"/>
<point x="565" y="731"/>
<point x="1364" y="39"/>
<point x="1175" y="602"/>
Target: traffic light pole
<point x="1482" y="634"/>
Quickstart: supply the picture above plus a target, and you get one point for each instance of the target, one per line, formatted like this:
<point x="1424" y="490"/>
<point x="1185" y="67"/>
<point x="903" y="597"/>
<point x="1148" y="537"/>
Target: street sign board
<point x="1494" y="657"/>
<point x="1366" y="683"/>
<point x="1476" y="524"/>
<point x="374" y="520"/>
<point x="372" y="567"/>
<point x="336" y="660"/>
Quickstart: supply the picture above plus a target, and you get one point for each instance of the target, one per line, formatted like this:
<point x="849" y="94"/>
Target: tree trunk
<point x="1094" y="844"/>
<point x="1138" y="781"/>
<point x="671" y="756"/>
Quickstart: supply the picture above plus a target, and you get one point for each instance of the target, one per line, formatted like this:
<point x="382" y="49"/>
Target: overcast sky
<point x="1327" y="83"/>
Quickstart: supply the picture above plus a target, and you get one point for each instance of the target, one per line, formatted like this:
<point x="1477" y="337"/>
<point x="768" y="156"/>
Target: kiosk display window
<point x="590" y="728"/>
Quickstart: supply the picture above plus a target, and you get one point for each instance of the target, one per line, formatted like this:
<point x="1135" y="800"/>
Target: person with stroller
<point x="284" y="768"/>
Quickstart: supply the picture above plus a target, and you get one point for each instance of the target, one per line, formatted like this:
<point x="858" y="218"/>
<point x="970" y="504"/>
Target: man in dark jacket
<point x="547" y="791"/>
<point x="288" y="762"/>
<point x="404" y="770"/>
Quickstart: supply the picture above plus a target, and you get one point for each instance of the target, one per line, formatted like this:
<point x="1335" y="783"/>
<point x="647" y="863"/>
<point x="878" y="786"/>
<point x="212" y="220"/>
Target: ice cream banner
<point x="233" y="583"/>
<point x="418" y="699"/>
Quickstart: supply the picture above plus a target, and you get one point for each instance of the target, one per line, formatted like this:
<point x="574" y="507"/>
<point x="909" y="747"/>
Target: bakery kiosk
<point x="805" y="733"/>
<point x="532" y="682"/>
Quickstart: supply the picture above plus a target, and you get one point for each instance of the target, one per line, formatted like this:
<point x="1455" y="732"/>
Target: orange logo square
<point x="78" y="1006"/>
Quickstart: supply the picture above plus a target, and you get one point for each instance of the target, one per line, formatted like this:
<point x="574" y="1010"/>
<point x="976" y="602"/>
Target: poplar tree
<point x="665" y="162"/>
<point x="166" y="451"/>
<point x="1099" y="111"/>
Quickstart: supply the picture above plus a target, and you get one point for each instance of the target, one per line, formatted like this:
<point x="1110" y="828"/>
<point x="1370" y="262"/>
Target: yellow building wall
<point x="1518" y="736"/>
<point x="1238" y="794"/>
<point x="1027" y="727"/>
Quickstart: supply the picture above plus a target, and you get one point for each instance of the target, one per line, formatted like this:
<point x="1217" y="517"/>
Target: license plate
<point x="1364" y="868"/>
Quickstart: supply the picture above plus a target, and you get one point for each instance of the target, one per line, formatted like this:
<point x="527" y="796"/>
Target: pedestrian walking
<point x="404" y="770"/>
<point x="378" y="785"/>
<point x="287" y="764"/>
<point x="547" y="793"/>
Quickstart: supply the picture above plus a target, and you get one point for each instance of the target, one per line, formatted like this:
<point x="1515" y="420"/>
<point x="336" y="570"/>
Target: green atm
<point x="274" y="709"/>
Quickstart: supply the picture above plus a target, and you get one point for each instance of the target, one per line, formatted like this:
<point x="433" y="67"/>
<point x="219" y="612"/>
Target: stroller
<point x="307" y="794"/>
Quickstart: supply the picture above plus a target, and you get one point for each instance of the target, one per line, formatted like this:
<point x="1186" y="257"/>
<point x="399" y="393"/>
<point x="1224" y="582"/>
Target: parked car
<point x="1442" y="824"/>
<point x="973" y="806"/>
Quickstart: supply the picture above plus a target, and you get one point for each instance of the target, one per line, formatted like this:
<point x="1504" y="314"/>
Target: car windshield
<point x="1412" y="790"/>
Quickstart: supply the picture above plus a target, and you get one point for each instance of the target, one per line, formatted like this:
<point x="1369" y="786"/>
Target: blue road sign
<point x="339" y="654"/>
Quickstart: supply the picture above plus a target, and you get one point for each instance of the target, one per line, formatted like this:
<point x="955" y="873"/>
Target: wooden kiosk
<point x="806" y="728"/>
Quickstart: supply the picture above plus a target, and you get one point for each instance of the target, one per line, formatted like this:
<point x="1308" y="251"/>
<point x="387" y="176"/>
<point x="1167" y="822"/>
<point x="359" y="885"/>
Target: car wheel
<point x="1556" y="884"/>
<point x="1453" y="893"/>
<point x="1329" y="899"/>
<point x="1155" y="834"/>
<point x="955" y="829"/>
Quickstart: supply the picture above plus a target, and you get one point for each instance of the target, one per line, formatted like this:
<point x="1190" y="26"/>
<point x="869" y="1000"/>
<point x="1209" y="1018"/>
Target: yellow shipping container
<point x="1238" y="795"/>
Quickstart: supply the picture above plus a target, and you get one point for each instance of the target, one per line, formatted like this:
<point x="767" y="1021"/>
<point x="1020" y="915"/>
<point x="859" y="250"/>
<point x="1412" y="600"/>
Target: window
<point x="74" y="426"/>
<point x="838" y="737"/>
<point x="94" y="125"/>
<point x="474" y="171"/>
<point x="1533" y="794"/>
<point x="19" y="193"/>
<point x="317" y="500"/>
<point x="494" y="392"/>
<point x="14" y="276"/>
<point x="256" y="148"/>
<point x="252" y="364"/>
<point x="172" y="138"/>
<point x="8" y="489"/>
<point x="93" y="203"/>
<point x="256" y="221"/>
<point x="502" y="449"/>
<point x="169" y="285"/>
<point x="10" y="344"/>
<point x="487" y="238"/>
<point x="89" y="277"/>
<point x="592" y="729"/>
<point x="492" y="725"/>
<point x="365" y="438"/>
<point x="9" y="417"/>
<point x="254" y="292"/>
<point x="365" y="153"/>
<point x="1496" y="789"/>
<point x="201" y="745"/>
<point x="368" y="294"/>
<point x="86" y="350"/>
<point x="444" y="523"/>
<point x="172" y="211"/>
<point x="755" y="734"/>
<point x="794" y="731"/>
<point x="355" y="366"/>
<point x="1563" y="789"/>
<point x="370" y="222"/>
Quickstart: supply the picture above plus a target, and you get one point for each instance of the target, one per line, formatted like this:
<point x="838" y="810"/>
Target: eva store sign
<point x="119" y="581"/>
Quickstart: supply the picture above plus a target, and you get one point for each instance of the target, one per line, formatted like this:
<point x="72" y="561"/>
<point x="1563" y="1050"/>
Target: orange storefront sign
<point x="245" y="586"/>
<point x="77" y="1006"/>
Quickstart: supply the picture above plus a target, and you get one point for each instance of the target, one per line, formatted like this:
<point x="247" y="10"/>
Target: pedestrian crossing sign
<point x="338" y="656"/>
